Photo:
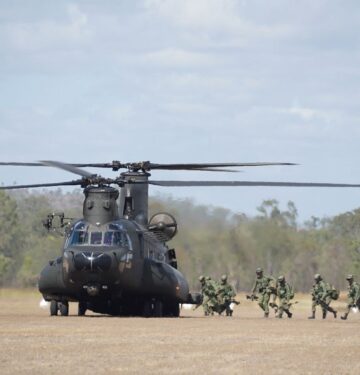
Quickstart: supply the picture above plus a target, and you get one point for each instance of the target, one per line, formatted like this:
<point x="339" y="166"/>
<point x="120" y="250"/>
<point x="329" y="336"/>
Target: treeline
<point x="211" y="240"/>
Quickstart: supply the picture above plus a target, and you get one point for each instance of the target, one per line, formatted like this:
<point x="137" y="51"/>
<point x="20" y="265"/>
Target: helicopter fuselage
<point x="117" y="268"/>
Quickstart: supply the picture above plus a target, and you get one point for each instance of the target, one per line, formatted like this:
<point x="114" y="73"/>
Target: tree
<point x="10" y="237"/>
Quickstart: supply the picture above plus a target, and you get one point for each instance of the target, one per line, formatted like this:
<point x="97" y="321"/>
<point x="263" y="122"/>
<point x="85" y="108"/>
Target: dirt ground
<point x="32" y="342"/>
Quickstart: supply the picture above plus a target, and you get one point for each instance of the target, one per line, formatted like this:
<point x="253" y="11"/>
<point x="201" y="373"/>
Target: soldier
<point x="321" y="295"/>
<point x="265" y="286"/>
<point x="285" y="293"/>
<point x="208" y="293"/>
<point x="225" y="294"/>
<point x="353" y="296"/>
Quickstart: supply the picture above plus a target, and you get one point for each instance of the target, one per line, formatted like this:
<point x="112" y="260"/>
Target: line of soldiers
<point x="268" y="288"/>
<point x="322" y="294"/>
<point x="353" y="301"/>
<point x="218" y="297"/>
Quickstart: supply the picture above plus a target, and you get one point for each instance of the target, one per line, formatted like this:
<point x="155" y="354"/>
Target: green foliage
<point x="210" y="241"/>
<point x="10" y="237"/>
<point x="5" y="266"/>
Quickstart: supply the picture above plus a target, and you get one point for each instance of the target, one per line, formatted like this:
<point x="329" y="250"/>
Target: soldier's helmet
<point x="223" y="278"/>
<point x="317" y="277"/>
<point x="349" y="277"/>
<point x="281" y="279"/>
<point x="202" y="278"/>
<point x="259" y="271"/>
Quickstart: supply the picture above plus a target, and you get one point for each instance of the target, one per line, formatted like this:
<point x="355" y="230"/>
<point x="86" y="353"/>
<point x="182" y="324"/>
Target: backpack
<point x="291" y="292"/>
<point x="334" y="293"/>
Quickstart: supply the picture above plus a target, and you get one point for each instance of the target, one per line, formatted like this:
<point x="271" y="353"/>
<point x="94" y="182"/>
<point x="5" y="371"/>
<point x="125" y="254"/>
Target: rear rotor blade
<point x="67" y="167"/>
<point x="251" y="183"/>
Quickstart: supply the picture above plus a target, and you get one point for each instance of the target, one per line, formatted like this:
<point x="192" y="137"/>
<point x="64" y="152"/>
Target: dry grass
<point x="32" y="342"/>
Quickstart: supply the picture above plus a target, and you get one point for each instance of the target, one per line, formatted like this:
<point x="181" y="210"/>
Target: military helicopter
<point x="115" y="260"/>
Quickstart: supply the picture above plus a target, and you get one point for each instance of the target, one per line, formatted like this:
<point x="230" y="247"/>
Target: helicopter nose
<point x="92" y="261"/>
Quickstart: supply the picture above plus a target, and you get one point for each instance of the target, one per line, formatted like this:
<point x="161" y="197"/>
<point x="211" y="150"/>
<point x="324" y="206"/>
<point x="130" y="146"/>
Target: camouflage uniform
<point x="285" y="293"/>
<point x="264" y="285"/>
<point x="208" y="292"/>
<point x="353" y="296"/>
<point x="321" y="296"/>
<point x="225" y="294"/>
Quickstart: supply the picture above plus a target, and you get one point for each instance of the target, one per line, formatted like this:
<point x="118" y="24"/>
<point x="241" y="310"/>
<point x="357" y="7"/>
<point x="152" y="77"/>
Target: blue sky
<point x="187" y="81"/>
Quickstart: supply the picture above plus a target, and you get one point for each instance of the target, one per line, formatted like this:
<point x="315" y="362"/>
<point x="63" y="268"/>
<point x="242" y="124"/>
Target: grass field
<point x="32" y="342"/>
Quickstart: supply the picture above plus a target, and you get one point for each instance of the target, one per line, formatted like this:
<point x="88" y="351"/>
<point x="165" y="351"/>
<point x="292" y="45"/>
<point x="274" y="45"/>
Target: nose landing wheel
<point x="54" y="308"/>
<point x="153" y="308"/>
<point x="64" y="308"/>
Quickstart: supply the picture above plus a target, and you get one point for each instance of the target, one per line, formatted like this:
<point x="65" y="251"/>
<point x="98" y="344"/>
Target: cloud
<point x="309" y="114"/>
<point x="199" y="14"/>
<point x="174" y="57"/>
<point x="197" y="80"/>
<point x="50" y="34"/>
<point x="225" y="20"/>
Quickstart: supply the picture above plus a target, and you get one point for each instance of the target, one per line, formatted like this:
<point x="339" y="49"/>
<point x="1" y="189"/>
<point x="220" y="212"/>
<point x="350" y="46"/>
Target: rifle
<point x="322" y="304"/>
<point x="252" y="297"/>
<point x="274" y="306"/>
<point x="235" y="301"/>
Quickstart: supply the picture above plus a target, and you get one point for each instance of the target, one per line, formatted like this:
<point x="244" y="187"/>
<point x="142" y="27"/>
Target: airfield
<point x="32" y="342"/>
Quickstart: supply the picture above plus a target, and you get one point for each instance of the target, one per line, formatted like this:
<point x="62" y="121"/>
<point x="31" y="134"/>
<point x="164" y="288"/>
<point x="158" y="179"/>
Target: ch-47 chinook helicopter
<point x="115" y="260"/>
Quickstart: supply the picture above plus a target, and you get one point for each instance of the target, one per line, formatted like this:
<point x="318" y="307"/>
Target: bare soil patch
<point x="32" y="342"/>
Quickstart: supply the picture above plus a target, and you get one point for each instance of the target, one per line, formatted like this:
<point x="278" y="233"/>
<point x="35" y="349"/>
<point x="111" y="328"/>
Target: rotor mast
<point x="134" y="196"/>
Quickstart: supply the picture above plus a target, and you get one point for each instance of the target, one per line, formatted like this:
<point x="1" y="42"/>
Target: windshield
<point x="114" y="235"/>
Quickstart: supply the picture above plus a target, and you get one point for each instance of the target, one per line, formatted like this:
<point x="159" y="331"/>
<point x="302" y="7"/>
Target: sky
<point x="175" y="81"/>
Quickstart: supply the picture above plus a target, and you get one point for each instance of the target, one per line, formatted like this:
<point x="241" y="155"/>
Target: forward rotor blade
<point x="66" y="183"/>
<point x="251" y="183"/>
<point x="20" y="164"/>
<point x="67" y="167"/>
<point x="115" y="165"/>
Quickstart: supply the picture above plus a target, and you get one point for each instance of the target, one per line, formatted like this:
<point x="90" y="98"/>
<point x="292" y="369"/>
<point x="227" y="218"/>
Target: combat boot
<point x="324" y="315"/>
<point x="312" y="316"/>
<point x="344" y="317"/>
<point x="333" y="311"/>
<point x="266" y="315"/>
<point x="289" y="314"/>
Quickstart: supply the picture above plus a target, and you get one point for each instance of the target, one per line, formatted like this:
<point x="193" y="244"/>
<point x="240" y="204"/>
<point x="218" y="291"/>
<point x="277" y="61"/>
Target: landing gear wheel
<point x="147" y="311"/>
<point x="175" y="310"/>
<point x="54" y="308"/>
<point x="64" y="308"/>
<point x="82" y="308"/>
<point x="171" y="309"/>
<point x="158" y="309"/>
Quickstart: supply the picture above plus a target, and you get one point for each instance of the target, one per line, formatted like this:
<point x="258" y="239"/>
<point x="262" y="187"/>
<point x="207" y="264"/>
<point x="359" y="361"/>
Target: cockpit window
<point x="79" y="238"/>
<point x="96" y="238"/>
<point x="115" y="235"/>
<point x="114" y="226"/>
<point x="116" y="238"/>
<point x="80" y="226"/>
